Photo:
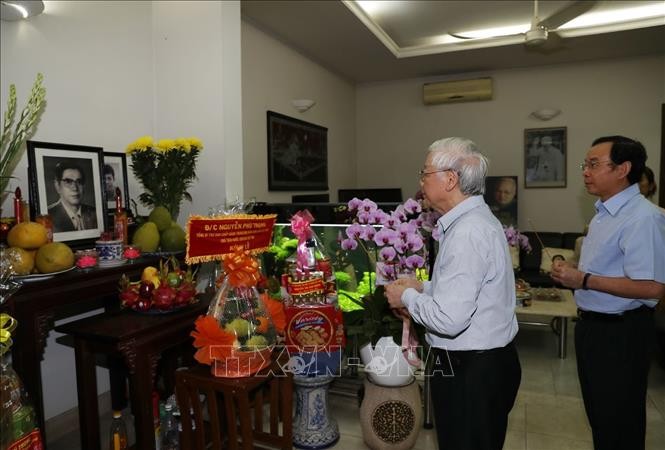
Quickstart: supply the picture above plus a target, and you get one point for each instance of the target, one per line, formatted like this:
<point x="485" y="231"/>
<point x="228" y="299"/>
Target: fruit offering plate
<point x="157" y="312"/>
<point x="40" y="276"/>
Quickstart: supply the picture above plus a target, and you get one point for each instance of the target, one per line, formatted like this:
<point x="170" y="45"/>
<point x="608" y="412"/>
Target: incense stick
<point x="542" y="246"/>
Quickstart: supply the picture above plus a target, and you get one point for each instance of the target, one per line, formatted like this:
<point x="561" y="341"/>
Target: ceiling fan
<point x="542" y="35"/>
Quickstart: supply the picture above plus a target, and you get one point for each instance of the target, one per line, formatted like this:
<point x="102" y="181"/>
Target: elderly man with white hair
<point x="468" y="308"/>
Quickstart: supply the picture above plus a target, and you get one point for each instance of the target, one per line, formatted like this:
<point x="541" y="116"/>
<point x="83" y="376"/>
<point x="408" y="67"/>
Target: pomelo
<point x="27" y="235"/>
<point x="54" y="257"/>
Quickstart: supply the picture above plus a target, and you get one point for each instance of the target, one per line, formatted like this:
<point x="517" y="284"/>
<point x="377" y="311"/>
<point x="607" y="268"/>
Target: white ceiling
<point x="403" y="39"/>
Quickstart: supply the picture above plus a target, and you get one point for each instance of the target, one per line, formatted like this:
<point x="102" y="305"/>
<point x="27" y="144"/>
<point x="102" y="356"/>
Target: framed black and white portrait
<point x="114" y="175"/>
<point x="66" y="183"/>
<point x="545" y="157"/>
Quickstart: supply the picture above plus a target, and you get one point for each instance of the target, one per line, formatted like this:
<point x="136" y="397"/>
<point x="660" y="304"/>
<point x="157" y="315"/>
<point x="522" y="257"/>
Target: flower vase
<point x="313" y="429"/>
<point x="385" y="363"/>
<point x="391" y="417"/>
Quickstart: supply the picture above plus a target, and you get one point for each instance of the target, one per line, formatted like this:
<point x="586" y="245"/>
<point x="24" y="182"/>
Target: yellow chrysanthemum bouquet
<point x="166" y="169"/>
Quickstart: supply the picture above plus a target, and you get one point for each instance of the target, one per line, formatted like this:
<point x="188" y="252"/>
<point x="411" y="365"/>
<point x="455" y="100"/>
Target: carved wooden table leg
<point x="86" y="377"/>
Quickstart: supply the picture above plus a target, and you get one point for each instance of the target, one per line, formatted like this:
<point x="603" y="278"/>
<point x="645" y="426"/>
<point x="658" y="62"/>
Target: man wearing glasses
<point x="69" y="213"/>
<point x="620" y="276"/>
<point x="468" y="308"/>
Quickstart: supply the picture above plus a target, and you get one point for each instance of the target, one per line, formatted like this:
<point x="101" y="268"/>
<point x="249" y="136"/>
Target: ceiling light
<point x="17" y="10"/>
<point x="545" y="113"/>
<point x="303" y="104"/>
<point x="494" y="32"/>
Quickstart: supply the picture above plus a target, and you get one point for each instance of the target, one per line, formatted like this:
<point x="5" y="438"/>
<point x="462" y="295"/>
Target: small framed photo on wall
<point x="545" y="152"/>
<point x="66" y="183"/>
<point x="115" y="176"/>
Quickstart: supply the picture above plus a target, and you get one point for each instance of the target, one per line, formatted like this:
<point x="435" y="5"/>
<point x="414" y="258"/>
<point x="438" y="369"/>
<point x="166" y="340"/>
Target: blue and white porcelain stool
<point x="313" y="429"/>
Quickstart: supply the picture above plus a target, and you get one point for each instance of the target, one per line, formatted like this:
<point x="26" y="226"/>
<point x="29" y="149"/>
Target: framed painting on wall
<point x="545" y="157"/>
<point x="297" y="154"/>
<point x="66" y="183"/>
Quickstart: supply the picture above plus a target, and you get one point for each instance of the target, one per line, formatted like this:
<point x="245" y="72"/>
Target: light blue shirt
<point x="470" y="302"/>
<point x="626" y="239"/>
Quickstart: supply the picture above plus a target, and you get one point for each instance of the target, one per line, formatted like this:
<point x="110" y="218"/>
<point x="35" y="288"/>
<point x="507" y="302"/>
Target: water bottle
<point x="118" y="440"/>
<point x="169" y="428"/>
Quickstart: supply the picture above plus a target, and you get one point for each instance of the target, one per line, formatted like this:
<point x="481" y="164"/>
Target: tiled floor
<point x="548" y="413"/>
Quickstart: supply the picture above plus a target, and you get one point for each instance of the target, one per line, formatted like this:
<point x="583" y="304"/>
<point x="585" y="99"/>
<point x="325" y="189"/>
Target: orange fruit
<point x="27" y="235"/>
<point x="22" y="261"/>
<point x="54" y="257"/>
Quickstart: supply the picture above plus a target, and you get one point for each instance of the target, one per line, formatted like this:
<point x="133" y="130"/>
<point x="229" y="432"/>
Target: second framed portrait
<point x="66" y="183"/>
<point x="115" y="176"/>
<point x="545" y="157"/>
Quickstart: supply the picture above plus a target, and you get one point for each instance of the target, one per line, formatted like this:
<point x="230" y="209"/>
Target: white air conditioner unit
<point x="457" y="91"/>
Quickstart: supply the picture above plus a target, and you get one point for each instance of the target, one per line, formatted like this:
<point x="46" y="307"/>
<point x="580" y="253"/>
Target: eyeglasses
<point x="424" y="173"/>
<point x="593" y="165"/>
<point x="70" y="182"/>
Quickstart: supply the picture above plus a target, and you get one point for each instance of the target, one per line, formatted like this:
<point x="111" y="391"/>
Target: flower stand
<point x="391" y="417"/>
<point x="312" y="426"/>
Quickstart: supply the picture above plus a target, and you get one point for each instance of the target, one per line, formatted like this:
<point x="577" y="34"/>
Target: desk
<point x="560" y="310"/>
<point x="38" y="303"/>
<point x="139" y="340"/>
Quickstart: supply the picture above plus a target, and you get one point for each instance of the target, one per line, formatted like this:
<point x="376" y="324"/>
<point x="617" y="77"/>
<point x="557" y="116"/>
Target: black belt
<point x="605" y="317"/>
<point x="465" y="354"/>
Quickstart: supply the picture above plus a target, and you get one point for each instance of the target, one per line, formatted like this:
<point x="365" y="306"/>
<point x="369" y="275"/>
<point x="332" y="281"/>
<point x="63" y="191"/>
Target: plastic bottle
<point x="169" y="426"/>
<point x="118" y="438"/>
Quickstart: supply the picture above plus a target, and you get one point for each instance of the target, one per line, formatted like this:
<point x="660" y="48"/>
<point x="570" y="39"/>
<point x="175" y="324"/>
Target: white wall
<point x="394" y="128"/>
<point x="114" y="71"/>
<point x="273" y="75"/>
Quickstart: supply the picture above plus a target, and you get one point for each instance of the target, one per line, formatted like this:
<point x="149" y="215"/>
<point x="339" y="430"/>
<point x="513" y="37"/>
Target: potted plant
<point x="395" y="245"/>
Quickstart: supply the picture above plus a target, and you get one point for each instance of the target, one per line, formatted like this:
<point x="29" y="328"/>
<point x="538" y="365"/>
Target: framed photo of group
<point x="297" y="154"/>
<point x="66" y="183"/>
<point x="545" y="151"/>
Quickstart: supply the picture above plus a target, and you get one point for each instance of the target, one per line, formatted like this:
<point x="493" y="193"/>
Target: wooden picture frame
<point x="545" y="154"/>
<point x="65" y="180"/>
<point x="114" y="174"/>
<point x="297" y="154"/>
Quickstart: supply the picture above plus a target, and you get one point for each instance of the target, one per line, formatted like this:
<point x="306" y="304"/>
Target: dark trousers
<point x="472" y="394"/>
<point x="613" y="364"/>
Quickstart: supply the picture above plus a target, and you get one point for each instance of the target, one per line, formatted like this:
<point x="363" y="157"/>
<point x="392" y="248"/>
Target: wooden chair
<point x="232" y="403"/>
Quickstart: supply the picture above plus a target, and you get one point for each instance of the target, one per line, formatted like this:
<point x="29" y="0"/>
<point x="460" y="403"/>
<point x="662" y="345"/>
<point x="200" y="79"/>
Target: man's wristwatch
<point x="585" y="280"/>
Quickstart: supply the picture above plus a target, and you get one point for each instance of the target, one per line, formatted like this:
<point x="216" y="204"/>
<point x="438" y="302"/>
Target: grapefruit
<point x="22" y="261"/>
<point x="161" y="217"/>
<point x="27" y="235"/>
<point x="54" y="257"/>
<point x="173" y="239"/>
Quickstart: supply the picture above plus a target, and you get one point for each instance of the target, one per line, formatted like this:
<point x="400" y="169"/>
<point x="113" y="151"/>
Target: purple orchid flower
<point x="368" y="233"/>
<point x="385" y="236"/>
<point x="349" y="244"/>
<point x="354" y="203"/>
<point x="412" y="207"/>
<point x="414" y="262"/>
<point x="354" y="231"/>
<point x="405" y="229"/>
<point x="414" y="242"/>
<point x="400" y="246"/>
<point x="387" y="253"/>
<point x="437" y="233"/>
<point x="367" y="206"/>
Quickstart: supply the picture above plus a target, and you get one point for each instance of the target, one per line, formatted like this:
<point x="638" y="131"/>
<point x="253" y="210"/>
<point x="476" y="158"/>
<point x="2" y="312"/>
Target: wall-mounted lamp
<point x="545" y="113"/>
<point x="17" y="10"/>
<point x="303" y="105"/>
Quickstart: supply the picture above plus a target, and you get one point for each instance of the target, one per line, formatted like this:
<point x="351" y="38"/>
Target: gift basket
<point x="314" y="332"/>
<point x="237" y="336"/>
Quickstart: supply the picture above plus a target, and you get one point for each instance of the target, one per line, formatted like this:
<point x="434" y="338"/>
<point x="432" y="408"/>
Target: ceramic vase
<point x="391" y="417"/>
<point x="313" y="428"/>
<point x="385" y="364"/>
